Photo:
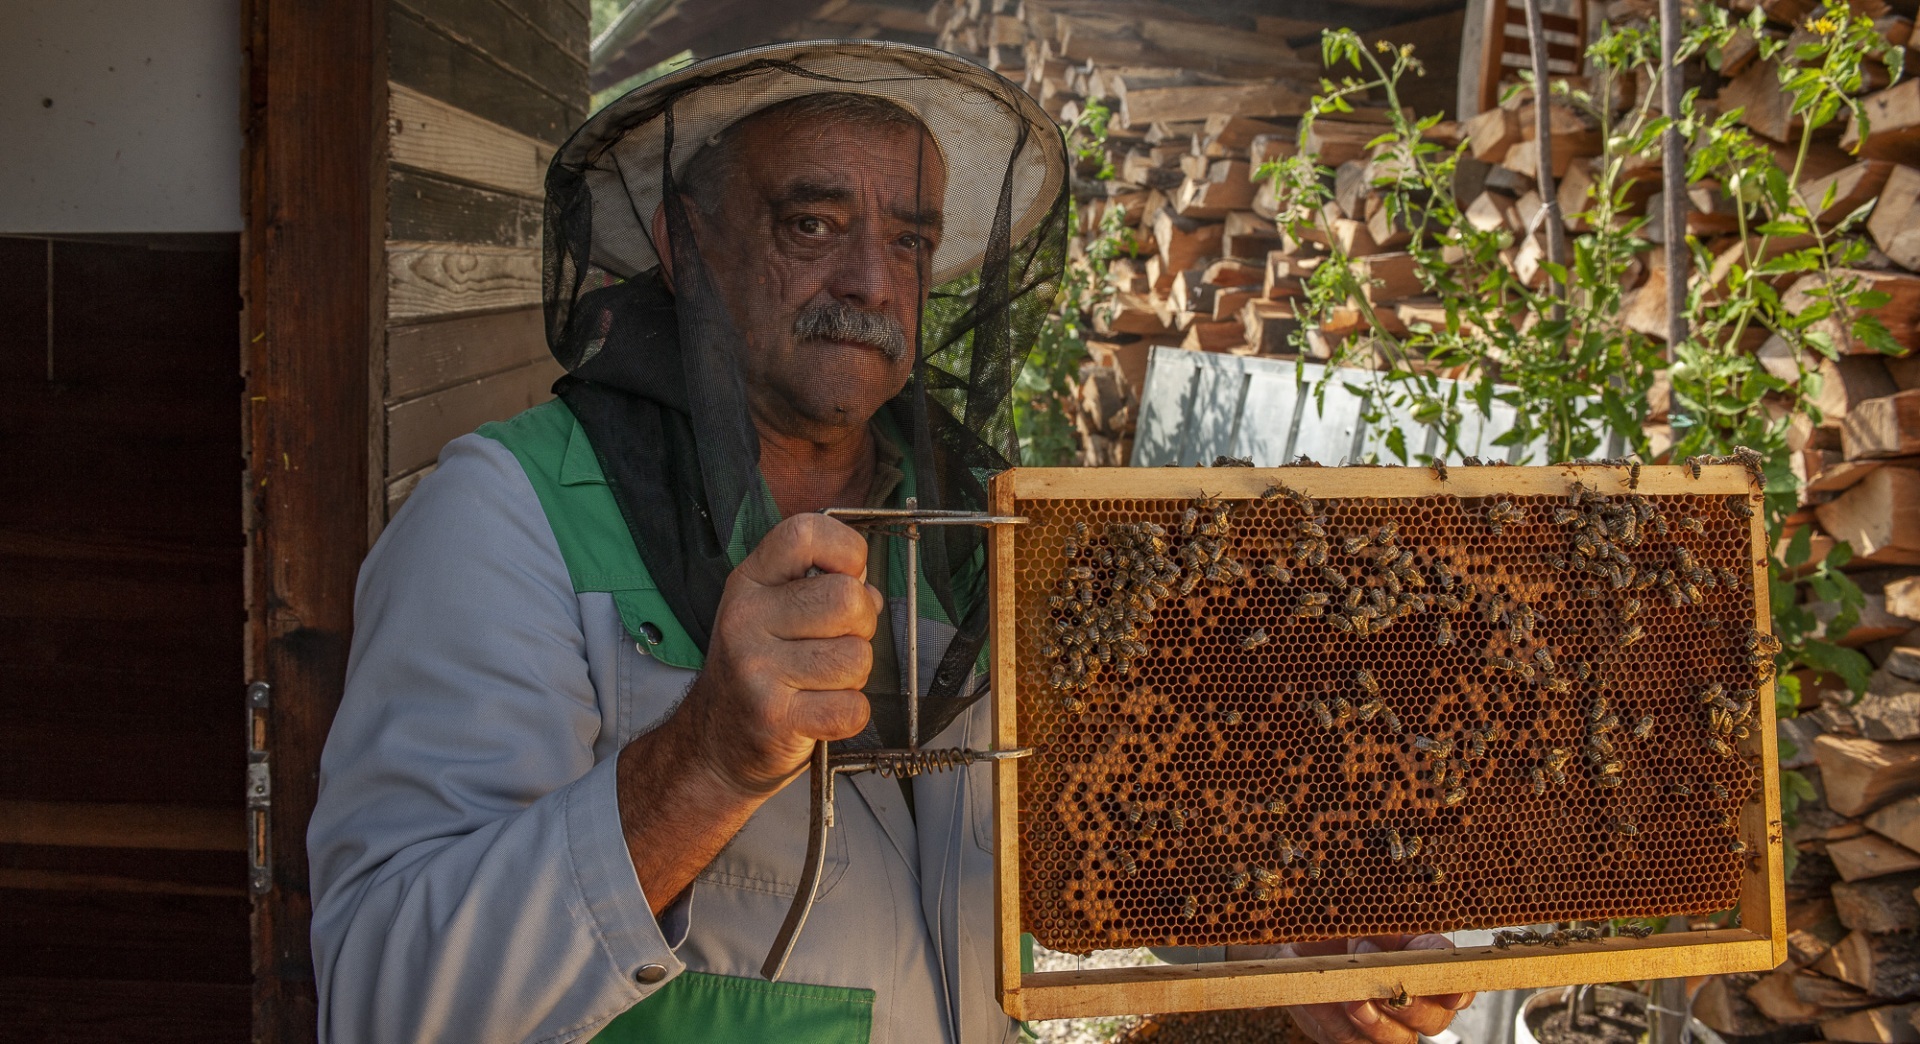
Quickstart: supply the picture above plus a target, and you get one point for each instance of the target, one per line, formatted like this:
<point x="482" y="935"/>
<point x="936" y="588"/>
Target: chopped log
<point x="1469" y="180"/>
<point x="1149" y="100"/>
<point x="1333" y="142"/>
<point x="1885" y="426"/>
<point x="1903" y="599"/>
<point x="1893" y="125"/>
<point x="1492" y="211"/>
<point x="1351" y="183"/>
<point x="1891" y="1024"/>
<point x="1265" y="148"/>
<point x="1353" y="239"/>
<point x="1128" y="314"/>
<point x="1905" y="370"/>
<point x="1231" y="135"/>
<point x="1885" y="966"/>
<point x="1900" y="315"/>
<point x="1511" y="182"/>
<point x="1830" y="994"/>
<point x="1227" y="304"/>
<point x="1877" y="518"/>
<point x="1764" y="106"/>
<point x="1903" y="661"/>
<point x="1573" y="192"/>
<point x="1851" y="189"/>
<point x="1492" y="133"/>
<point x="1899" y="821"/>
<point x="1878" y="905"/>
<point x="1846" y="384"/>
<point x="1808" y="943"/>
<point x="1388" y="231"/>
<point x="1249" y="236"/>
<point x="1226" y="189"/>
<point x="1268" y="327"/>
<point x="1523" y="157"/>
<point x="1862" y="774"/>
<point x="1529" y="260"/>
<point x="1895" y="221"/>
<point x="1388" y="277"/>
<point x="1721" y="1003"/>
<point x="1234" y="271"/>
<point x="1183" y="242"/>
<point x="1775" y="998"/>
<point x="1207" y="336"/>
<point x="1870" y="855"/>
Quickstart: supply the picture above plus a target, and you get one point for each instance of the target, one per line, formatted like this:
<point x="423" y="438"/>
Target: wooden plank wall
<point x="122" y="856"/>
<point x="481" y="92"/>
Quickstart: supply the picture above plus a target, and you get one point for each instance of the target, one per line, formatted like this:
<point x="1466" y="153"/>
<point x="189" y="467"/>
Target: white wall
<point x="143" y="130"/>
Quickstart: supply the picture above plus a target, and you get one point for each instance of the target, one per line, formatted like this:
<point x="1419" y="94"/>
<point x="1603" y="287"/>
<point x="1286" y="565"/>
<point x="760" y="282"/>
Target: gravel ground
<point x="1086" y="1031"/>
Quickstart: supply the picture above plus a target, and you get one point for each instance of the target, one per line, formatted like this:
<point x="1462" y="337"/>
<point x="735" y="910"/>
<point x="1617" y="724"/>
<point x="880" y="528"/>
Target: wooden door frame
<point x="313" y="292"/>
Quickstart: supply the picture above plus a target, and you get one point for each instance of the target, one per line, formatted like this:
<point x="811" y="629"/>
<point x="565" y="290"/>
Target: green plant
<point x="1044" y="387"/>
<point x="1552" y="345"/>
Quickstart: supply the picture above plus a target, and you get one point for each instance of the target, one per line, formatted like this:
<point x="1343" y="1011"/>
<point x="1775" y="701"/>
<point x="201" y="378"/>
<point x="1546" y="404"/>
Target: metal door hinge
<point x="259" y="791"/>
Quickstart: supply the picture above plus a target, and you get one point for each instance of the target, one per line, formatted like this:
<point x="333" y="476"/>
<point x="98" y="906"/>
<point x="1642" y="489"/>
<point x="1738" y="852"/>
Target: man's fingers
<point x="803" y="542"/>
<point x="832" y="715"/>
<point x="1423" y="1015"/>
<point x="1371" y="1019"/>
<point x="1326" y="1023"/>
<point x="826" y="606"/>
<point x="824" y="664"/>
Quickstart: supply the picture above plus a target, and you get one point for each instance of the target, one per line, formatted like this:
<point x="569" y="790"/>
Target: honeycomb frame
<point x="1249" y="843"/>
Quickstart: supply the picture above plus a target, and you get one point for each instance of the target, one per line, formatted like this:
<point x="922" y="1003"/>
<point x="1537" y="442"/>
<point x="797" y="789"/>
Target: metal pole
<point x="913" y="628"/>
<point x="1542" y="125"/>
<point x="1673" y="176"/>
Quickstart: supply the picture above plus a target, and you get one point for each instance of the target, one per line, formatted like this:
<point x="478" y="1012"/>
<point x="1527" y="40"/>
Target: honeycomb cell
<point x="1284" y="719"/>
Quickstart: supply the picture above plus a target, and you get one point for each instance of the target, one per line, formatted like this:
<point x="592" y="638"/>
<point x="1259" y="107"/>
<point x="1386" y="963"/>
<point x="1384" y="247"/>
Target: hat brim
<point x="977" y="118"/>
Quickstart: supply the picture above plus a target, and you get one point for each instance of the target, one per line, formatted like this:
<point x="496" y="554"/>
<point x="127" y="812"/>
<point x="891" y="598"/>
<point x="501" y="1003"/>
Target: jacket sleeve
<point x="470" y="878"/>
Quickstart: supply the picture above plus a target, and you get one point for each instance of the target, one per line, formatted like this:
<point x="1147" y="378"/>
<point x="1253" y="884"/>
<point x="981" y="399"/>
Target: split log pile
<point x="1202" y="96"/>
<point x="1853" y="915"/>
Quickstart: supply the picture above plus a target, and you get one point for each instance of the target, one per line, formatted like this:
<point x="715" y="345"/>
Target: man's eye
<point x="810" y="226"/>
<point x="915" y="242"/>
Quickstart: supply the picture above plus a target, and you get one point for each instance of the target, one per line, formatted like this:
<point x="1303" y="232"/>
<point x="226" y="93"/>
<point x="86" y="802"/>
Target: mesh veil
<point x="655" y="377"/>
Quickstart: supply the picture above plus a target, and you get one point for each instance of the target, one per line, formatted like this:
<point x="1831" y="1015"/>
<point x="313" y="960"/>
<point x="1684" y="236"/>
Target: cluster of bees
<point x="1364" y="583"/>
<point x="1577" y="931"/>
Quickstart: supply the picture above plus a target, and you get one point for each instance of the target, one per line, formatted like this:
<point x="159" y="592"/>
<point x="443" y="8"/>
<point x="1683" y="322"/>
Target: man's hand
<point x="791" y="649"/>
<point x="789" y="654"/>
<point x="1368" y="1022"/>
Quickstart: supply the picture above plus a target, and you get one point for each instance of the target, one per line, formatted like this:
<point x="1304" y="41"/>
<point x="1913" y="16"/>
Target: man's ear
<point x="660" y="244"/>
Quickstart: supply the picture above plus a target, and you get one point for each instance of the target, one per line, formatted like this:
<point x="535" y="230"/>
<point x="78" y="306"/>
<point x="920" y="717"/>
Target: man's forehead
<point x="820" y="164"/>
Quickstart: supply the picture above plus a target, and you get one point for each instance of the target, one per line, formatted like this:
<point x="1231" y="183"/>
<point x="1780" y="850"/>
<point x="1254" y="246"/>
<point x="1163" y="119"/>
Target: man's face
<point x="822" y="248"/>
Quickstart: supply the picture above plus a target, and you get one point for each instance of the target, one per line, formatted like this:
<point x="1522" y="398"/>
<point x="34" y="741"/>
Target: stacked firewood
<point x="1853" y="963"/>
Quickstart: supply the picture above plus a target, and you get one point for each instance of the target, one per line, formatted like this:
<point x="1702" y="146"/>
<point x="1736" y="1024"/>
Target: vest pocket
<point x="703" y="1008"/>
<point x="766" y="855"/>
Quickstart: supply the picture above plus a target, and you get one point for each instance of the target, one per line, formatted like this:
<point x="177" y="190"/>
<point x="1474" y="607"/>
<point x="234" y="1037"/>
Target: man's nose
<point x="864" y="275"/>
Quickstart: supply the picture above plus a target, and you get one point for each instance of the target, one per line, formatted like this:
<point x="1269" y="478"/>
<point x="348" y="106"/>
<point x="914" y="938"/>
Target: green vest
<point x="600" y="554"/>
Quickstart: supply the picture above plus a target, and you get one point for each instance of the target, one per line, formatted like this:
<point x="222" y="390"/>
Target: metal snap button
<point x="650" y="632"/>
<point x="650" y="974"/>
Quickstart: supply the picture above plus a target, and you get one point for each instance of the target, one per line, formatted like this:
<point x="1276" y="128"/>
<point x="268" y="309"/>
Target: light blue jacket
<point x="469" y="874"/>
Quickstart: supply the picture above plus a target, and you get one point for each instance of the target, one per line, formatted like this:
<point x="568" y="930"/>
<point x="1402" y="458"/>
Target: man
<point x="596" y="647"/>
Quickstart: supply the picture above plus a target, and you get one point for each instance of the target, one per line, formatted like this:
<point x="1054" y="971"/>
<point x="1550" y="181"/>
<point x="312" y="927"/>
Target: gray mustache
<point x="843" y="322"/>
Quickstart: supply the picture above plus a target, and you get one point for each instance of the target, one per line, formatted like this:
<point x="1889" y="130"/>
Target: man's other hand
<point x="1372" y="1021"/>
<point x="791" y="649"/>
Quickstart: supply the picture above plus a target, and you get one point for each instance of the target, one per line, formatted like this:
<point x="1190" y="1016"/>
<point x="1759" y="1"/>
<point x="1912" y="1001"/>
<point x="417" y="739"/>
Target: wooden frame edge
<point x="1378" y="976"/>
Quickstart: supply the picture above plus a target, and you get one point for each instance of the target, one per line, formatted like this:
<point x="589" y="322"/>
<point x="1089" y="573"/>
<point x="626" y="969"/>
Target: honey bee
<point x="1275" y="805"/>
<point x="1125" y="860"/>
<point x="1254" y="638"/>
<point x="1364" y="678"/>
<point x="1692" y="464"/>
<point x="1692" y="525"/>
<point x="1643" y="728"/>
<point x="1189" y="908"/>
<point x="1626" y="827"/>
<point x="1273" y="570"/>
<point x="1314" y="870"/>
<point x="1582" y="670"/>
<point x="1453" y="796"/>
<point x="1321" y="713"/>
<point x="1072" y="704"/>
<point x="1237" y="881"/>
<point x="1273" y="493"/>
<point x="1544" y="658"/>
<point x="1439" y="469"/>
<point x="1719" y="746"/>
<point x="1368" y="709"/>
<point x="1737" y="846"/>
<point x="1396" y="847"/>
<point x="1476" y="743"/>
<point x="1432" y="747"/>
<point x="1390" y="720"/>
<point x="1264" y="876"/>
<point x="1631" y="635"/>
<point x="1607" y="781"/>
<point x="1342" y="710"/>
<point x="1635" y="930"/>
<point x="1231" y="717"/>
<point x="1633" y="474"/>
<point x="1434" y="874"/>
<point x="1718" y="789"/>
<point x="1557" y="774"/>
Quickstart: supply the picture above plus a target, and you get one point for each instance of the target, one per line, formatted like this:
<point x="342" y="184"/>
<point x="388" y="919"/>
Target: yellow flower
<point x="1825" y="25"/>
<point x="1383" y="47"/>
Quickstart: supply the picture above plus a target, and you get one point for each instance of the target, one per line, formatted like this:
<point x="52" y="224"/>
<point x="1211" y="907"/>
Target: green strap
<point x="699" y="1007"/>
<point x="599" y="551"/>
